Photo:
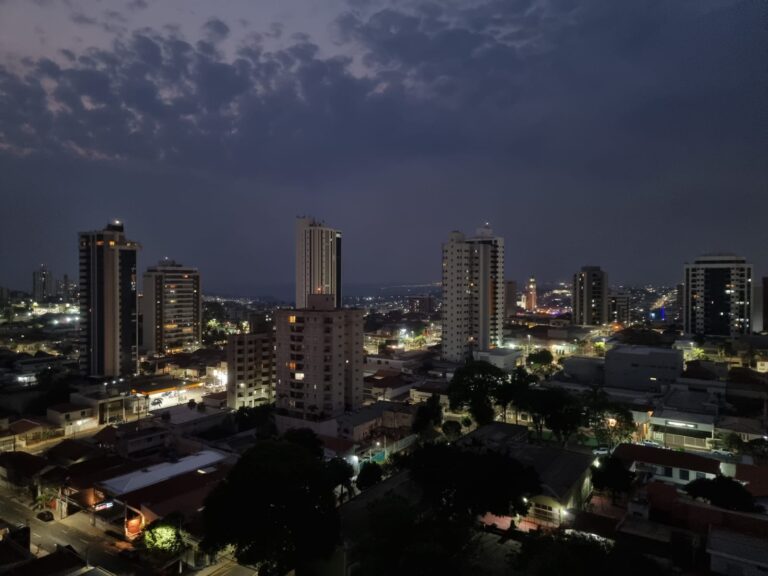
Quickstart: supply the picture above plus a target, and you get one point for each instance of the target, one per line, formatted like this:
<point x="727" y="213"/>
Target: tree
<point x="723" y="492"/>
<point x="424" y="543"/>
<point x="428" y="415"/>
<point x="340" y="473"/>
<point x="285" y="505"/>
<point x="261" y="419"/>
<point x="473" y="387"/>
<point x="540" y="359"/>
<point x="464" y="483"/>
<point x="370" y="474"/>
<point x="611" y="475"/>
<point x="579" y="555"/>
<point x="451" y="429"/>
<point x="163" y="537"/>
<point x="563" y="414"/>
<point x="307" y="439"/>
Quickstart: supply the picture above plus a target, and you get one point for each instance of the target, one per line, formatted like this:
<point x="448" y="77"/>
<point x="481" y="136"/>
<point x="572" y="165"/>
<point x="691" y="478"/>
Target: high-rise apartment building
<point x="421" y="304"/>
<point x="250" y="369"/>
<point x="318" y="261"/>
<point x="319" y="359"/>
<point x="718" y="296"/>
<point x="530" y="295"/>
<point x="473" y="294"/>
<point x="619" y="307"/>
<point x="42" y="284"/>
<point x="171" y="308"/>
<point x="590" y="297"/>
<point x="510" y="298"/>
<point x="108" y="302"/>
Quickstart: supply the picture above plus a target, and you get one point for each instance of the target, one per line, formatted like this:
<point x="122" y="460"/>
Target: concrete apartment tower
<point x="42" y="284"/>
<point x="718" y="296"/>
<point x="172" y="308"/>
<point x="510" y="298"/>
<point x="250" y="369"/>
<point x="108" y="303"/>
<point x="318" y="261"/>
<point x="319" y="357"/>
<point x="473" y="294"/>
<point x="590" y="297"/>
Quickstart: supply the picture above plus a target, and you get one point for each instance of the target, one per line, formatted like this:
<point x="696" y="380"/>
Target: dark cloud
<point x="215" y="29"/>
<point x="585" y="120"/>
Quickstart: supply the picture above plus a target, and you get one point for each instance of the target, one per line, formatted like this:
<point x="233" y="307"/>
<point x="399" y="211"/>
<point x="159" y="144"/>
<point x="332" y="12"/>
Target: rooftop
<point x="749" y="548"/>
<point x="182" y="413"/>
<point x="659" y="456"/>
<point x="133" y="481"/>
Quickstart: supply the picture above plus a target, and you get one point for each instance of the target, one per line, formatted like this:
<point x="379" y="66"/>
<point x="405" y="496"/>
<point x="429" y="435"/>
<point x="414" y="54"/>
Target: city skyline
<point x="583" y="134"/>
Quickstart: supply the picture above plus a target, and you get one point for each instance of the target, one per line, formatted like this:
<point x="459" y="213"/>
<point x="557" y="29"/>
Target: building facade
<point x="171" y="308"/>
<point x="108" y="303"/>
<point x="42" y="284"/>
<point x="250" y="369"/>
<point x="318" y="261"/>
<point x="530" y="295"/>
<point x="319" y="356"/>
<point x="718" y="296"/>
<point x="510" y="298"/>
<point x="473" y="294"/>
<point x="590" y="297"/>
<point x="619" y="308"/>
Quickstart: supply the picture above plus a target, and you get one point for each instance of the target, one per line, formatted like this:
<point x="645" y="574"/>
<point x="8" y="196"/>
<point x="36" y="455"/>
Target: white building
<point x="718" y="296"/>
<point x="473" y="294"/>
<point x="319" y="357"/>
<point x="250" y="369"/>
<point x="172" y="308"/>
<point x="318" y="261"/>
<point x="590" y="297"/>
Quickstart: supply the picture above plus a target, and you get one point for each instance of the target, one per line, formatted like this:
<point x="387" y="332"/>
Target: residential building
<point x="318" y="261"/>
<point x="250" y="369"/>
<point x="172" y="308"/>
<point x="669" y="466"/>
<point x="42" y="284"/>
<point x="619" y="308"/>
<point x="473" y="294"/>
<point x="510" y="298"/>
<point x="319" y="351"/>
<point x="590" y="297"/>
<point x="718" y="296"/>
<point x="530" y="295"/>
<point x="421" y="304"/>
<point x="108" y="303"/>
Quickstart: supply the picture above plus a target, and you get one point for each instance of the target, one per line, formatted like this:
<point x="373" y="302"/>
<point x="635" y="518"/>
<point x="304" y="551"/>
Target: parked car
<point x="601" y="450"/>
<point x="722" y="453"/>
<point x="45" y="515"/>
<point x="650" y="443"/>
<point x="157" y="402"/>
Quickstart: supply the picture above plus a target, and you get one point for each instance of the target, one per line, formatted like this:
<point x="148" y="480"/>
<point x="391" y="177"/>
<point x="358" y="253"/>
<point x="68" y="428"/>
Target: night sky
<point x="627" y="134"/>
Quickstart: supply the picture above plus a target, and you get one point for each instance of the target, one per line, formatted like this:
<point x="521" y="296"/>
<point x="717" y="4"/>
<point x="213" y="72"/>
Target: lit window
<point x="292" y="319"/>
<point x="299" y="376"/>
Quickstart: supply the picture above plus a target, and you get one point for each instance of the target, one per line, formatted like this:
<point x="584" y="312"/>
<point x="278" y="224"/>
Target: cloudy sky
<point x="633" y="135"/>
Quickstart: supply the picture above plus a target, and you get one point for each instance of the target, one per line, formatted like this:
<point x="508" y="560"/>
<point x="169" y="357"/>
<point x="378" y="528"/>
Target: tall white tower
<point x="318" y="261"/>
<point x="473" y="293"/>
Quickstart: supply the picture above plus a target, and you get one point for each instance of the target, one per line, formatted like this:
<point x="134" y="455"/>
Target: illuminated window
<point x="299" y="376"/>
<point x="292" y="365"/>
<point x="292" y="319"/>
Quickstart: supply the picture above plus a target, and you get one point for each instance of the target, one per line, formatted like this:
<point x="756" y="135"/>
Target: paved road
<point x="46" y="535"/>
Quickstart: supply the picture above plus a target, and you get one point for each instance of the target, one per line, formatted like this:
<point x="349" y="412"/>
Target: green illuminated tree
<point x="164" y="537"/>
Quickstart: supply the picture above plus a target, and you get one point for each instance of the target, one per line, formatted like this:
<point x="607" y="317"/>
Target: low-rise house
<point x="134" y="438"/>
<point x="423" y="391"/>
<point x="72" y="417"/>
<point x="386" y="385"/>
<point x="669" y="466"/>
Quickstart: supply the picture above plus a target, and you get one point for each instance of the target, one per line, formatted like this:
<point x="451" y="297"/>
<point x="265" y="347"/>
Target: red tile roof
<point x="662" y="457"/>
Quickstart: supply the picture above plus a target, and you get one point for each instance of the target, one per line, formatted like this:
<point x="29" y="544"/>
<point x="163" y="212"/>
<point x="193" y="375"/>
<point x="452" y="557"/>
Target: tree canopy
<point x="370" y="474"/>
<point x="276" y="508"/>
<point x="460" y="482"/>
<point x="474" y="387"/>
<point x="611" y="475"/>
<point x="723" y="492"/>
